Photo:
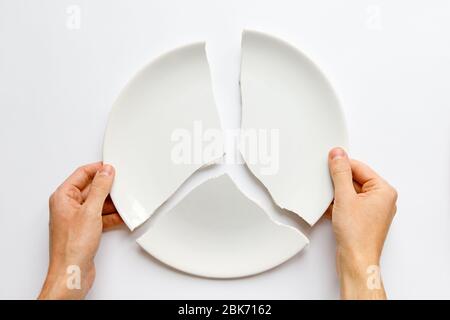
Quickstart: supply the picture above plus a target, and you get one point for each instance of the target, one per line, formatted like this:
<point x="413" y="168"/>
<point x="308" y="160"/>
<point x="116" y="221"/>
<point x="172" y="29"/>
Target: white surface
<point x="217" y="232"/>
<point x="388" y="61"/>
<point x="172" y="92"/>
<point x="283" y="90"/>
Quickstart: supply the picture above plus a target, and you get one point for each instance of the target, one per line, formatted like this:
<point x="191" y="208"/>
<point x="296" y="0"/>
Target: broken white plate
<point x="283" y="90"/>
<point x="217" y="232"/>
<point x="163" y="102"/>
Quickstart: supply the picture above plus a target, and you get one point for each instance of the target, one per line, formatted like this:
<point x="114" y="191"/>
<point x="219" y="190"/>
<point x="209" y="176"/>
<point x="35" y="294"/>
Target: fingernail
<point x="107" y="170"/>
<point x="337" y="153"/>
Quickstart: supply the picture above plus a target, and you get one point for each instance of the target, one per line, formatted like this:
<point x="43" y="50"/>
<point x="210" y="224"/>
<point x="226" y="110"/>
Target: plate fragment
<point x="217" y="232"/>
<point x="283" y="90"/>
<point x="168" y="97"/>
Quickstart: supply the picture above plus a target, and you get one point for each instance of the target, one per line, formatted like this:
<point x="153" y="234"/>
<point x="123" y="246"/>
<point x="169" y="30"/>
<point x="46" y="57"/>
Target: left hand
<point x="80" y="209"/>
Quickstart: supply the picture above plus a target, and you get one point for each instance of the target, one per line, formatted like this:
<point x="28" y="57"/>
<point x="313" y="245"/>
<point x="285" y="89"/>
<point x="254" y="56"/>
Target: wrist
<point x="359" y="276"/>
<point x="356" y="261"/>
<point x="67" y="281"/>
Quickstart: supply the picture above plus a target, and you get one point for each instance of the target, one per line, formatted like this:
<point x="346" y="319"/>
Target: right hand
<point x="363" y="209"/>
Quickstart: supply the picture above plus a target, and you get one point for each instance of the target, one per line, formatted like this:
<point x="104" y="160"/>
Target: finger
<point x="362" y="173"/>
<point x="329" y="212"/>
<point x="111" y="221"/>
<point x="341" y="173"/>
<point x="82" y="176"/>
<point x="85" y="192"/>
<point x="100" y="188"/>
<point x="108" y="206"/>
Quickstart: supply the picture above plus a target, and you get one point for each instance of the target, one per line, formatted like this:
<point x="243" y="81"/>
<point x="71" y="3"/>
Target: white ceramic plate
<point x="217" y="232"/>
<point x="166" y="96"/>
<point x="283" y="90"/>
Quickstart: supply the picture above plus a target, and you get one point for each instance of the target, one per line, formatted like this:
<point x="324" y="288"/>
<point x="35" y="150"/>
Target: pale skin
<point x="361" y="214"/>
<point x="363" y="208"/>
<point x="80" y="210"/>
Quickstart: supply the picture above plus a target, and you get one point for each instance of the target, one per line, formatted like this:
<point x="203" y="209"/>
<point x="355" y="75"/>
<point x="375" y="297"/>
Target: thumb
<point x="341" y="173"/>
<point x="100" y="188"/>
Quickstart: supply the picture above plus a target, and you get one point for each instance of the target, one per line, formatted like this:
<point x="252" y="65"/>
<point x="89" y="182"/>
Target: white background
<point x="389" y="62"/>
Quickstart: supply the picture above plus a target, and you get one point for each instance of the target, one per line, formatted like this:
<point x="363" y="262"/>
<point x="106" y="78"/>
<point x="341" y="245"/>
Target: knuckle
<point x="99" y="188"/>
<point x="54" y="196"/>
<point x="81" y="168"/>
<point x="72" y="192"/>
<point x="51" y="199"/>
<point x="393" y="193"/>
<point x="340" y="169"/>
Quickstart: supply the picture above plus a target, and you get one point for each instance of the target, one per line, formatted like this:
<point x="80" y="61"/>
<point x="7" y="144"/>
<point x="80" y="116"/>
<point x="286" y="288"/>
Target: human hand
<point x="363" y="209"/>
<point x="80" y="209"/>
